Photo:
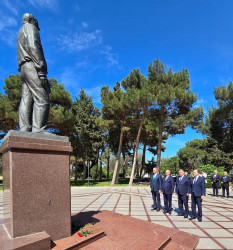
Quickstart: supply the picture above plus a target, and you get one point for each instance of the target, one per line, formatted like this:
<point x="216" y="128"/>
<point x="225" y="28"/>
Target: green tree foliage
<point x="9" y="104"/>
<point x="60" y="114"/>
<point x="193" y="155"/>
<point x="86" y="136"/>
<point x="203" y="152"/>
<point x="60" y="118"/>
<point x="140" y="98"/>
<point x="209" y="169"/>
<point x="171" y="163"/>
<point x="219" y="122"/>
<point x="218" y="127"/>
<point x="173" y="104"/>
<point x="114" y="116"/>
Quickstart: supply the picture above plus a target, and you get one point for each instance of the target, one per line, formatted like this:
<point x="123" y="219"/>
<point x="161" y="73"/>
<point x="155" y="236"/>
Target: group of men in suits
<point x="184" y="188"/>
<point x="225" y="179"/>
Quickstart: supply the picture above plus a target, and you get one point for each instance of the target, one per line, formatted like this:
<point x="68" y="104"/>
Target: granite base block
<point x="36" y="180"/>
<point x="38" y="241"/>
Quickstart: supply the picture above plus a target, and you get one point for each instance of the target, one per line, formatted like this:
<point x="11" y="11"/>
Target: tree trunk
<point x="143" y="160"/>
<point x="137" y="169"/>
<point x="97" y="166"/>
<point x="108" y="164"/>
<point x="160" y="141"/>
<point x="117" y="177"/>
<point x="101" y="166"/>
<point x="75" y="169"/>
<point x="136" y="147"/>
<point x="124" y="165"/>
<point x="118" y="158"/>
<point x="84" y="171"/>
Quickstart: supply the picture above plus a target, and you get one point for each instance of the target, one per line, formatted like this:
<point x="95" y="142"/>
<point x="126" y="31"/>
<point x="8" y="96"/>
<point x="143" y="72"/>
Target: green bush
<point x="209" y="169"/>
<point x="209" y="184"/>
<point x="93" y="173"/>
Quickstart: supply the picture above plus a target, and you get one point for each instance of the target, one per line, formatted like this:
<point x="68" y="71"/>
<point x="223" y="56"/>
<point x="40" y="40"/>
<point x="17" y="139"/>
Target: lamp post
<point x="88" y="168"/>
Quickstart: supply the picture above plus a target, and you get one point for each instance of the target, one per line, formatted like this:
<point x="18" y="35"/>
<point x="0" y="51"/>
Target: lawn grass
<point x="98" y="183"/>
<point x="102" y="183"/>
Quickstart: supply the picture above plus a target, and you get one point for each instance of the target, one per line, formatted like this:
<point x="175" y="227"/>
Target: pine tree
<point x="173" y="103"/>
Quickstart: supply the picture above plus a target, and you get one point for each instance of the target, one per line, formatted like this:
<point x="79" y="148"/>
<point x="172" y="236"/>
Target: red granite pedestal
<point x="36" y="180"/>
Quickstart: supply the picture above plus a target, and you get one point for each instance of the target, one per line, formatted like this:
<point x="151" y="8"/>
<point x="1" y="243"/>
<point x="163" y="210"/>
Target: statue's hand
<point x="44" y="81"/>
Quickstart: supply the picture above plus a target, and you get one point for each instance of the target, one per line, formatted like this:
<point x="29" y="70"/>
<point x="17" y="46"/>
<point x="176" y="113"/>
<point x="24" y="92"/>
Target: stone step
<point x="125" y="232"/>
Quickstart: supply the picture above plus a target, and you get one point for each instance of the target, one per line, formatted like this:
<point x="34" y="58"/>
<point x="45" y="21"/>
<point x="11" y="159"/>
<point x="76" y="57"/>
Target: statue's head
<point x="29" y="18"/>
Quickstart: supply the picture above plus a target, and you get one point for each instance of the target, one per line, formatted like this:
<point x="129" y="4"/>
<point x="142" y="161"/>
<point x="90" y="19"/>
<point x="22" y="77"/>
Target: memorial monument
<point x="36" y="175"/>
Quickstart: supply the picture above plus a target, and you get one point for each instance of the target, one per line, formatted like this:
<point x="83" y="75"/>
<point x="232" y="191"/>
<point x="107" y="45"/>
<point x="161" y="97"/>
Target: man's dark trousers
<point x="156" y="199"/>
<point x="196" y="202"/>
<point x="215" y="188"/>
<point x="168" y="188"/>
<point x="167" y="202"/>
<point x="156" y="185"/>
<point x="225" y="186"/>
<point x="183" y="201"/>
<point x="182" y="189"/>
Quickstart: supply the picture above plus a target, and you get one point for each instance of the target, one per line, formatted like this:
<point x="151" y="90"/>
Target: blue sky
<point x="89" y="44"/>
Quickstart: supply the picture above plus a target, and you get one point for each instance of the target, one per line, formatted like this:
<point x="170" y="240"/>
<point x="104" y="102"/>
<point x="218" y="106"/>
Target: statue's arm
<point x="35" y="49"/>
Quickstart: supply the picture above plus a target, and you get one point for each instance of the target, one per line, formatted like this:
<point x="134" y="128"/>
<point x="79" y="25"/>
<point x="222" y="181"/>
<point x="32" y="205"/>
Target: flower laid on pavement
<point x="80" y="235"/>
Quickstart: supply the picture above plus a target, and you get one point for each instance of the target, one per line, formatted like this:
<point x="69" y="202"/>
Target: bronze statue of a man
<point x="34" y="105"/>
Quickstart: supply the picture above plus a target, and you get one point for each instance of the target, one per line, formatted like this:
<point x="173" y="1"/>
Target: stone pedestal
<point x="36" y="180"/>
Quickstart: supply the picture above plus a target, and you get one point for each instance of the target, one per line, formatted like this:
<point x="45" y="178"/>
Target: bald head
<point x="168" y="172"/>
<point x="29" y="18"/>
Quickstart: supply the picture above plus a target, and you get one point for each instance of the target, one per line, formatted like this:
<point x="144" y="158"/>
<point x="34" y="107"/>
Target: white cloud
<point x="77" y="7"/>
<point x="9" y="6"/>
<point x="81" y="40"/>
<point x="84" y="24"/>
<point x="201" y="101"/>
<point x="94" y="93"/>
<point x="111" y="57"/>
<point x="9" y="37"/>
<point x="6" y="22"/>
<point x="49" y="4"/>
<point x="69" y="78"/>
<point x="7" y="34"/>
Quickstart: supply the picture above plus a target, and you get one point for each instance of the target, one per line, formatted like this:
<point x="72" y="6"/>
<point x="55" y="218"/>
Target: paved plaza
<point x="216" y="229"/>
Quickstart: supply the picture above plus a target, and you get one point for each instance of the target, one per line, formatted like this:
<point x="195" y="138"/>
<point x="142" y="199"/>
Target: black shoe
<point x="158" y="209"/>
<point x="192" y="218"/>
<point x="180" y="214"/>
<point x="199" y="219"/>
<point x="186" y="216"/>
<point x="153" y="208"/>
<point x="170" y="212"/>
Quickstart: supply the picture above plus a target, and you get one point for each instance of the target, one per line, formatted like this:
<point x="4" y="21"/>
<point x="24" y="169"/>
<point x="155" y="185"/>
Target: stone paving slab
<point x="216" y="230"/>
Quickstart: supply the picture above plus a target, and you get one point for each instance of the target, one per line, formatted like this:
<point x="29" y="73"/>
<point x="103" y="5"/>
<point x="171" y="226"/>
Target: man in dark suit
<point x="215" y="178"/>
<point x="197" y="192"/>
<point x="182" y="188"/>
<point x="225" y="184"/>
<point x="156" y="189"/>
<point x="168" y="189"/>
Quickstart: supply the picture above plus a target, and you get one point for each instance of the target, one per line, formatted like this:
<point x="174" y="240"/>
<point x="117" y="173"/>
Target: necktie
<point x="180" y="178"/>
<point x="194" y="180"/>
